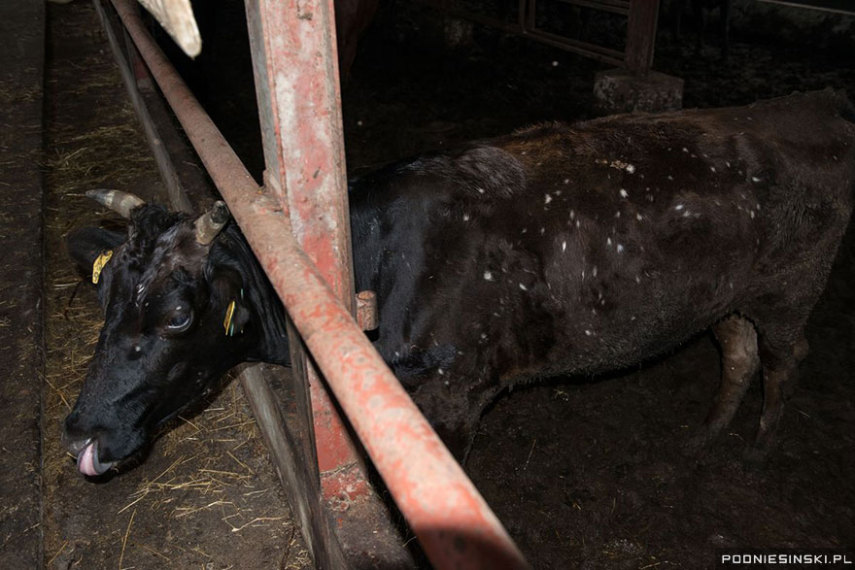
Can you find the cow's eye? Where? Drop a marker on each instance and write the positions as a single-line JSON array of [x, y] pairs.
[[179, 321]]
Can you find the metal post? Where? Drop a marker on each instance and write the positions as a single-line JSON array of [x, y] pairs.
[[296, 76]]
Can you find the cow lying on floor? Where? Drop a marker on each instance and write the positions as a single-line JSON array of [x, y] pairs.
[[556, 250]]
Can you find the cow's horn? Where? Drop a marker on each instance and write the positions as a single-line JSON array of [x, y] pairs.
[[209, 224], [120, 202]]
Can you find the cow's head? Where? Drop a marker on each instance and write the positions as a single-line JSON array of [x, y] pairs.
[[175, 321]]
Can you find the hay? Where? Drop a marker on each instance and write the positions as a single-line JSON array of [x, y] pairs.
[[125, 538]]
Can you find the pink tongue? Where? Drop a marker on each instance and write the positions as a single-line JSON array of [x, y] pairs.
[[86, 460]]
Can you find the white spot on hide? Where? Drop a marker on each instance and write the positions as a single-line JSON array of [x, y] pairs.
[[488, 276]]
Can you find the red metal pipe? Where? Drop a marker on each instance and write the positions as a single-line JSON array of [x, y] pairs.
[[450, 518], [293, 52]]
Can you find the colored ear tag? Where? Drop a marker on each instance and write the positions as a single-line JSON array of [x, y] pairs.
[[228, 323], [99, 264]]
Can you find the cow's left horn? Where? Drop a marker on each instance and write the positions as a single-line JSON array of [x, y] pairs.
[[209, 224], [120, 202]]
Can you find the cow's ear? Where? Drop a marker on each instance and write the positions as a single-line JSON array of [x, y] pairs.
[[228, 294], [88, 245]]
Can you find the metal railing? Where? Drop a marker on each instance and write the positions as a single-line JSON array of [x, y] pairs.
[[640, 38]]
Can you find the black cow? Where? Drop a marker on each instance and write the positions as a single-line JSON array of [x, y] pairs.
[[556, 250]]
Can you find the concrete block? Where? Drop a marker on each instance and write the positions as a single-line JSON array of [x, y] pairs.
[[621, 91]]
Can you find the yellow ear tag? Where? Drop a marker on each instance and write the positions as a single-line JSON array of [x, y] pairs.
[[227, 322], [99, 264]]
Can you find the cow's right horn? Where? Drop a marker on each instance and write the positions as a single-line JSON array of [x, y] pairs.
[[120, 202], [209, 224]]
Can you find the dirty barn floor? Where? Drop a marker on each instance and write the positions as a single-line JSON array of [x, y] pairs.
[[584, 473]]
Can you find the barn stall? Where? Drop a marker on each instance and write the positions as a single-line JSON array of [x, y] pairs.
[[581, 472]]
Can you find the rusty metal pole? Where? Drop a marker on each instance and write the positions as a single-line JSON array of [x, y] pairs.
[[297, 87], [296, 72]]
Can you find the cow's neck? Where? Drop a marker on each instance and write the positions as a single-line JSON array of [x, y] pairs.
[[369, 200], [267, 310]]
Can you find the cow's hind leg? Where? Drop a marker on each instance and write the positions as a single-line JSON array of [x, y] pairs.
[[737, 340], [781, 350]]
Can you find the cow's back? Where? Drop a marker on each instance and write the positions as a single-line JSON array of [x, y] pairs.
[[589, 247]]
